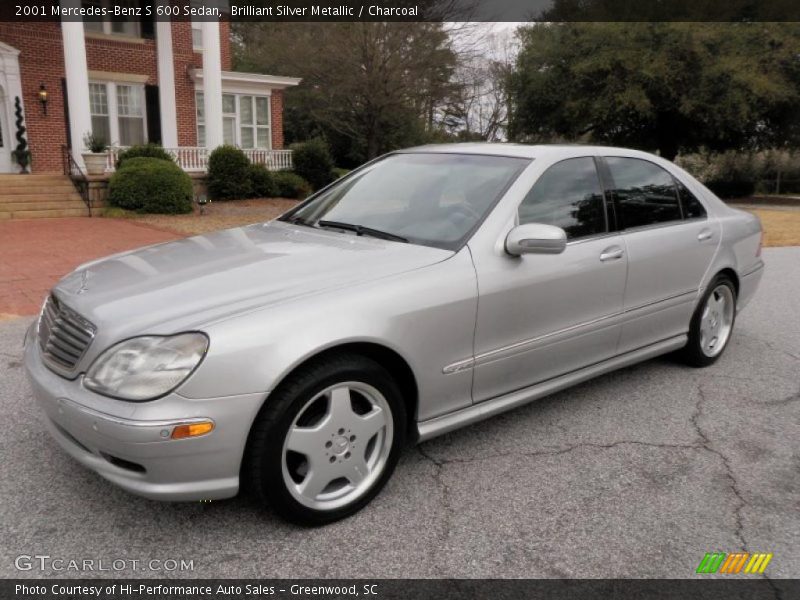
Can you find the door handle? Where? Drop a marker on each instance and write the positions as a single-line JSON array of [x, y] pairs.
[[705, 234], [612, 253]]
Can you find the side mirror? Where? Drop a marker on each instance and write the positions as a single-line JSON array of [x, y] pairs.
[[536, 238]]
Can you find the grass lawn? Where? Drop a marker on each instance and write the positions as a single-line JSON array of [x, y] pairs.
[[781, 226], [218, 215]]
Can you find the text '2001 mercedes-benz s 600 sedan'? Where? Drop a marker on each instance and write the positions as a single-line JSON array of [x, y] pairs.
[[422, 292]]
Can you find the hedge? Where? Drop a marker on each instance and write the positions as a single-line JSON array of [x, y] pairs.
[[735, 174], [290, 185], [144, 150], [313, 162], [229, 174], [261, 182], [151, 185]]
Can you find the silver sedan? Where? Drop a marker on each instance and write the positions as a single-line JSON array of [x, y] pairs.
[[424, 291]]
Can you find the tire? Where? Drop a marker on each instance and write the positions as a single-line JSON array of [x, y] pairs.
[[340, 419], [708, 338]]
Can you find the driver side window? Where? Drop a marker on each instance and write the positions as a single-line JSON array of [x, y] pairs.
[[567, 195]]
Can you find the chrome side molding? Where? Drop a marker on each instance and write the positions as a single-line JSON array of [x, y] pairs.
[[431, 428]]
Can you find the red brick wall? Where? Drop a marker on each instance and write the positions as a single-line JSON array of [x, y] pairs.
[[184, 58], [139, 57], [41, 60], [225, 45], [276, 106]]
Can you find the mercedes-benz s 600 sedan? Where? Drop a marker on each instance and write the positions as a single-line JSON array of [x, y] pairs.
[[422, 292]]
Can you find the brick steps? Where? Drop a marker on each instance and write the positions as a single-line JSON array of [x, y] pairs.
[[35, 197], [42, 214], [24, 179], [39, 196], [17, 190], [44, 204]]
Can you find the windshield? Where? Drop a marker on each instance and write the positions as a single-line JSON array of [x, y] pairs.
[[424, 198]]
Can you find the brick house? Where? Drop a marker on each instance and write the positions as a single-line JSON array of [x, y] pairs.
[[131, 82]]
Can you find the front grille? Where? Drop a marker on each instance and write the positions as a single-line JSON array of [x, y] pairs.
[[64, 336]]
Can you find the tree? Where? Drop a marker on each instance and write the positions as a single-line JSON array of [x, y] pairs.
[[21, 153], [477, 108], [658, 86], [367, 87]]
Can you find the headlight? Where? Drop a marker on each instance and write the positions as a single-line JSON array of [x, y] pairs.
[[146, 367]]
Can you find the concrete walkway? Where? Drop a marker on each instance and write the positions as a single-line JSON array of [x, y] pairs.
[[36, 253]]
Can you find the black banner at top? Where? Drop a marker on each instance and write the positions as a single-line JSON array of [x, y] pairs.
[[403, 10]]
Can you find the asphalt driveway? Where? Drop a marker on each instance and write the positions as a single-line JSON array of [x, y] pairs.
[[635, 474]]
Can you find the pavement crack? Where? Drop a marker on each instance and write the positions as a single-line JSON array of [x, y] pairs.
[[771, 345], [784, 401], [446, 504], [441, 462], [707, 444]]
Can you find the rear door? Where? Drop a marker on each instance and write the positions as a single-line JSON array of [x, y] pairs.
[[670, 243]]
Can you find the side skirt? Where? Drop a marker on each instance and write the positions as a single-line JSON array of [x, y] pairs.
[[489, 408]]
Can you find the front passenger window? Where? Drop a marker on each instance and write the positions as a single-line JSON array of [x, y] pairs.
[[645, 193], [567, 195]]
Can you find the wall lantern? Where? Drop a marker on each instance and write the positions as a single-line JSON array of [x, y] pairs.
[[43, 97]]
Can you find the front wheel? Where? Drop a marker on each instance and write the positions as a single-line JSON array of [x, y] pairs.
[[712, 324], [327, 440]]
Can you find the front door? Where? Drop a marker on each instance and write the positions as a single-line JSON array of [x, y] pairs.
[[540, 316], [6, 146]]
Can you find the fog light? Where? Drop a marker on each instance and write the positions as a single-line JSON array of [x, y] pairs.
[[192, 430]]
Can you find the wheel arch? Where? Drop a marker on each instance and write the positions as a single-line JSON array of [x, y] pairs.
[[390, 359], [732, 275]]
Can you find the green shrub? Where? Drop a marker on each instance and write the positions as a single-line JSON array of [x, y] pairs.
[[228, 174], [261, 182], [734, 174], [290, 185], [312, 161], [339, 173], [144, 151], [151, 185]]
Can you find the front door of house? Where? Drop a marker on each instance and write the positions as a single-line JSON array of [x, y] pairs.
[[6, 143]]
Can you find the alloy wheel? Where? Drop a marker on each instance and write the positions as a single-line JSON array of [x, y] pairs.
[[337, 445], [716, 320]]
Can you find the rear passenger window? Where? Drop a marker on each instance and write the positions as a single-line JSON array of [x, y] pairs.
[[567, 195], [692, 208], [645, 193]]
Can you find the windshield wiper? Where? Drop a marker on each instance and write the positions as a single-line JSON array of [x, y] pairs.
[[298, 221], [362, 230]]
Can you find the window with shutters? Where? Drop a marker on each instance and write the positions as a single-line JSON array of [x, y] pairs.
[[119, 114]]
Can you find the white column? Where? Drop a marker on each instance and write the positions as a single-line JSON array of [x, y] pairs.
[[212, 84], [77, 75], [166, 84]]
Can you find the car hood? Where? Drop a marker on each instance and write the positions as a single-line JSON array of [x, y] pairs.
[[208, 277]]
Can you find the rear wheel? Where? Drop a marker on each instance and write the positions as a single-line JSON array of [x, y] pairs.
[[327, 440], [712, 324]]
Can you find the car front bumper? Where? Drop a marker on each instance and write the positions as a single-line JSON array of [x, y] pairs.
[[128, 443]]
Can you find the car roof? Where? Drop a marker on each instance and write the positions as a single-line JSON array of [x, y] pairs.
[[531, 151]]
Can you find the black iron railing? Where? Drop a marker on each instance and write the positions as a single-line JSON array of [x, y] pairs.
[[73, 170]]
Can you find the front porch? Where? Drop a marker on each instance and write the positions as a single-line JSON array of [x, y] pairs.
[[195, 159]]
